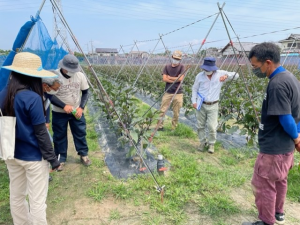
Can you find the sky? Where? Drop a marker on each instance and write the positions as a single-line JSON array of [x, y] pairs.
[[157, 25]]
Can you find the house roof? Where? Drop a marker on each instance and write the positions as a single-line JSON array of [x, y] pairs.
[[137, 52], [245, 45], [291, 37], [106, 50]]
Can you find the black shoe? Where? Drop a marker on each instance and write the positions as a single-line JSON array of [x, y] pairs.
[[161, 129], [279, 218], [50, 178]]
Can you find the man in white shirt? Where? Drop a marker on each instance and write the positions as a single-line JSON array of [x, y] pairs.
[[72, 96], [207, 86]]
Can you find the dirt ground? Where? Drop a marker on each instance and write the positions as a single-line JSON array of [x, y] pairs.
[[68, 202]]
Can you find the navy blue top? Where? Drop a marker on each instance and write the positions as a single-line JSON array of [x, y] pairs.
[[29, 112]]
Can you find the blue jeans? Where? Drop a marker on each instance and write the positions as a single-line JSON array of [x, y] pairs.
[[60, 137]]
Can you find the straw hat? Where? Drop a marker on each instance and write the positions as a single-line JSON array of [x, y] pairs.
[[29, 64], [177, 54]]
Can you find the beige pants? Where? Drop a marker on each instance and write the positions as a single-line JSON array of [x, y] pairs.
[[28, 178], [208, 116], [176, 105]]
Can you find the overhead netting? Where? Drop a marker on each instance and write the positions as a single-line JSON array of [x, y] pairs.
[[40, 43]]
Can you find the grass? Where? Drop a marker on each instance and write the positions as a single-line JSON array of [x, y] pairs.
[[198, 186]]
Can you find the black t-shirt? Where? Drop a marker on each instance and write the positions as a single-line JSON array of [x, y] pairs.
[[282, 97], [173, 72]]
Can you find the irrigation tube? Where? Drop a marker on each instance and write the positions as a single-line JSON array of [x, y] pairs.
[[204, 40], [100, 86], [248, 92]]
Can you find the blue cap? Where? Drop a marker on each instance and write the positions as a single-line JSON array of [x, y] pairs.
[[209, 64]]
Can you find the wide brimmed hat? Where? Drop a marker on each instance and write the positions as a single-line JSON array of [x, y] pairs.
[[209, 64], [29, 64], [177, 54], [69, 63]]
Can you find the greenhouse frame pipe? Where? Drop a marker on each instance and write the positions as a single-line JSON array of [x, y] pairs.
[[124, 63], [145, 64], [159, 188], [204, 40], [248, 92], [288, 52], [36, 15]]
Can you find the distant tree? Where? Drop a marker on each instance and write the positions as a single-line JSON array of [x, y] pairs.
[[4, 52], [78, 54]]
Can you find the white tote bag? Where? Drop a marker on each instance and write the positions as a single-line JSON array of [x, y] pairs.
[[7, 136]]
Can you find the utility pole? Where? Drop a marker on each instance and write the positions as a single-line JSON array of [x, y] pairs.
[[87, 46], [58, 27]]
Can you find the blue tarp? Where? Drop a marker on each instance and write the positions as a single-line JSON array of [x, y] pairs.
[[39, 42], [21, 37]]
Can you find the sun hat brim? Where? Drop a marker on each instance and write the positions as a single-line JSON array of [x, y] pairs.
[[31, 72], [209, 68], [72, 70]]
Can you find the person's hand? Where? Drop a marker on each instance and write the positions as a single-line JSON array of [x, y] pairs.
[[223, 78], [68, 109], [297, 147], [195, 105], [297, 143], [48, 125], [79, 113]]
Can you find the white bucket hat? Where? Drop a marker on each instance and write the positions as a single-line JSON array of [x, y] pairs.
[[29, 64]]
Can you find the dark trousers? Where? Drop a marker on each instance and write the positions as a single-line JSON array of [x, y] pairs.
[[60, 136]]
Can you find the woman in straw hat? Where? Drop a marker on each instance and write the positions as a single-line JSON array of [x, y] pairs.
[[29, 170]]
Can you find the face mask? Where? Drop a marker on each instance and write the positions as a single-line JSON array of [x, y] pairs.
[[70, 74], [175, 61], [208, 73], [52, 92], [257, 72]]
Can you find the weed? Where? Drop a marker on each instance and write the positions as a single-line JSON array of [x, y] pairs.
[[114, 215]]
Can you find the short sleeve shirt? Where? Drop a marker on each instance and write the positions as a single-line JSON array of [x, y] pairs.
[[173, 72], [282, 97], [70, 91]]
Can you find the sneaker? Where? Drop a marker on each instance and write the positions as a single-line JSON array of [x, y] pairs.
[[279, 218], [61, 167], [160, 129], [254, 223], [85, 160], [202, 147], [211, 149]]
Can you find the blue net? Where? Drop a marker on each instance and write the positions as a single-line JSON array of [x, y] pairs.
[[38, 42], [41, 44]]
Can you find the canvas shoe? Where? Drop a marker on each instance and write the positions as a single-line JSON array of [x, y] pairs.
[[85, 160], [279, 218], [201, 147], [254, 223], [211, 149], [61, 167]]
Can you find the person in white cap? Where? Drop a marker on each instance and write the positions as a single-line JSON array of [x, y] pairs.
[[170, 74], [73, 96], [205, 99], [29, 170]]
